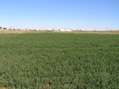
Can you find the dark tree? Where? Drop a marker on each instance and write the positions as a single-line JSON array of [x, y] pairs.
[[0, 27], [4, 28]]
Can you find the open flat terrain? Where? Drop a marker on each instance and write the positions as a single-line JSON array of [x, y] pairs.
[[91, 32], [59, 61]]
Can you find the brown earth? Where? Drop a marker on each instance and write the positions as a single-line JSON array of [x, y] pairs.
[[3, 88], [90, 32]]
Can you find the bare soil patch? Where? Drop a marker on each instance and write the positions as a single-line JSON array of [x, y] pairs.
[[98, 32], [3, 88], [78, 32]]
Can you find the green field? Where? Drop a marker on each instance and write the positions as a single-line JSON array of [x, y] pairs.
[[59, 61]]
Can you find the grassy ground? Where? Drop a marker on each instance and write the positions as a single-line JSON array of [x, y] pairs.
[[59, 61]]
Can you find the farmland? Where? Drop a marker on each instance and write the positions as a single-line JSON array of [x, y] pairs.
[[59, 61]]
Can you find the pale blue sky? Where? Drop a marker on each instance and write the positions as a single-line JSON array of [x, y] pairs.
[[60, 14]]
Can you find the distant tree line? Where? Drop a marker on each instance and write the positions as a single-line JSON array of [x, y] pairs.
[[0, 27], [3, 28]]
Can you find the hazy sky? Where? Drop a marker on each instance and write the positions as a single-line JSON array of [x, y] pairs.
[[60, 14]]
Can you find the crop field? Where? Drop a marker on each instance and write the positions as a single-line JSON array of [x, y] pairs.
[[59, 61]]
